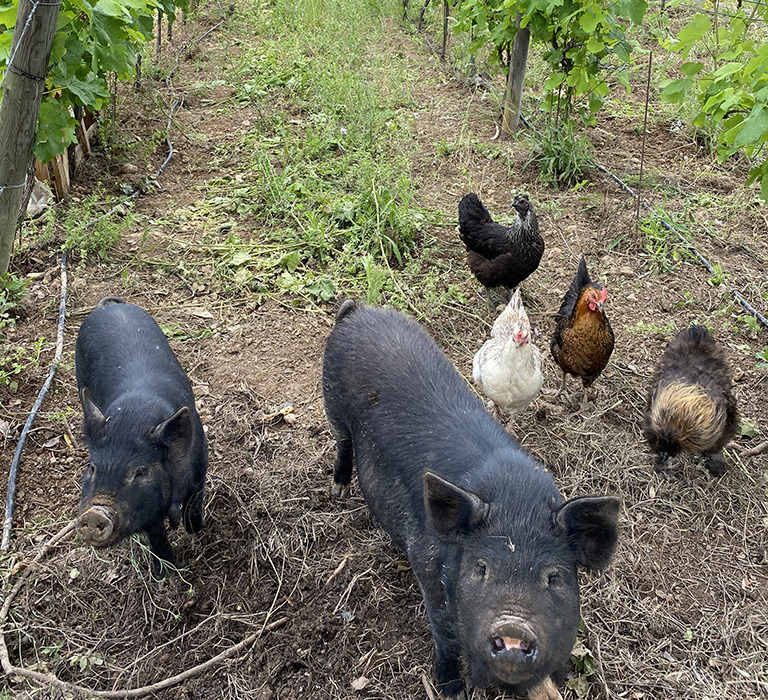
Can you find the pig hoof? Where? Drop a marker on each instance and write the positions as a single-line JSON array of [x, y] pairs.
[[546, 690], [340, 490]]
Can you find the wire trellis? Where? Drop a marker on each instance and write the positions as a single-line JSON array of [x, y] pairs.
[[740, 298]]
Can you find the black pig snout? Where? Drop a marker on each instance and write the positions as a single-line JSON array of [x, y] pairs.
[[513, 648], [97, 525]]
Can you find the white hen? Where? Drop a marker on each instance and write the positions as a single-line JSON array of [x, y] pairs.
[[507, 369]]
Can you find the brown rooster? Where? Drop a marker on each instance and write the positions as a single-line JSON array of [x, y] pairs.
[[583, 339], [690, 406], [500, 256]]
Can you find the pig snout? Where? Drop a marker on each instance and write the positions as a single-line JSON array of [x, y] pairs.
[[97, 525], [513, 648]]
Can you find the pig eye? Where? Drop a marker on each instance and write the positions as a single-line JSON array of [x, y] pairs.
[[140, 473], [552, 578], [480, 568]]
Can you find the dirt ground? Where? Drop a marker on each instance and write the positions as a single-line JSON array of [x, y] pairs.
[[682, 612]]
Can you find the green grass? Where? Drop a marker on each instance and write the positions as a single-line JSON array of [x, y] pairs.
[[324, 174]]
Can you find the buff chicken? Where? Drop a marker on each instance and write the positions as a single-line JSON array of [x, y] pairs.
[[690, 406]]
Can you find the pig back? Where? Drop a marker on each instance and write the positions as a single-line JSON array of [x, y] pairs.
[[390, 388], [121, 349]]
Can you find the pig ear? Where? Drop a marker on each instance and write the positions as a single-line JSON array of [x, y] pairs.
[[175, 432], [592, 527], [452, 509], [93, 418]]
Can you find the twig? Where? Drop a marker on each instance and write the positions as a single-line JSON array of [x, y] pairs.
[[754, 451], [428, 687], [336, 571]]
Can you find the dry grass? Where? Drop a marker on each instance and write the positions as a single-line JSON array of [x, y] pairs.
[[682, 612]]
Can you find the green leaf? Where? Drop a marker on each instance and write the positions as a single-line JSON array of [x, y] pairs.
[[675, 90], [727, 69], [594, 45], [55, 130], [634, 9], [753, 130], [290, 261], [8, 15], [554, 81], [691, 68], [621, 76], [691, 33], [91, 92]]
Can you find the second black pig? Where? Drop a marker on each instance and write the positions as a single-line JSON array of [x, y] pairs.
[[492, 544], [148, 452]]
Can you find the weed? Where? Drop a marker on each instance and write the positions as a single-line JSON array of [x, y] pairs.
[[562, 157], [664, 250], [751, 324], [688, 300], [585, 664], [718, 276], [91, 233], [762, 355], [748, 427], [376, 277], [14, 360], [643, 328], [13, 292]]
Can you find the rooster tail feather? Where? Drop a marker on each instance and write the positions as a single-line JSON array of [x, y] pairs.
[[578, 283]]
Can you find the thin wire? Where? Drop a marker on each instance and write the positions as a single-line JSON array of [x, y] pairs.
[[7, 524], [668, 226], [37, 4]]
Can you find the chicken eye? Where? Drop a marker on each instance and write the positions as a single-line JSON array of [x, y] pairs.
[[480, 568]]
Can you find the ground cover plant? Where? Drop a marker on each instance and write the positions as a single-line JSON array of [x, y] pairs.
[[320, 152]]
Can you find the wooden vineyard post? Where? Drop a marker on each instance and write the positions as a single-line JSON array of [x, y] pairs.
[[23, 86], [513, 94]]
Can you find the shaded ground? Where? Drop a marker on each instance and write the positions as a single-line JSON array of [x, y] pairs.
[[682, 612]]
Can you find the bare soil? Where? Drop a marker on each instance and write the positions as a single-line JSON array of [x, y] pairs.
[[681, 613]]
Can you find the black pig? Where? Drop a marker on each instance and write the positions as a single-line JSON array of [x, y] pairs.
[[148, 452], [493, 546]]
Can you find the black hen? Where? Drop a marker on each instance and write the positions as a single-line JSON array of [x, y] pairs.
[[500, 256], [690, 406]]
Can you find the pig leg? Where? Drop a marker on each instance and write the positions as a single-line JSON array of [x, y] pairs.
[[160, 548], [192, 512], [546, 690], [342, 467], [446, 655]]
